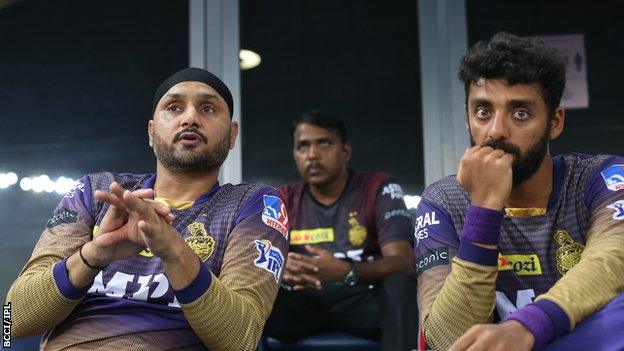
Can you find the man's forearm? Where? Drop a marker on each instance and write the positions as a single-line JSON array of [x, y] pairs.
[[376, 270], [38, 302]]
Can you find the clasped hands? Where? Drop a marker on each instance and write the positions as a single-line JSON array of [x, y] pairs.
[[133, 222], [304, 272]]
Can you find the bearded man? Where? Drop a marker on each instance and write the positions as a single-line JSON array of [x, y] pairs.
[[518, 236], [171, 260]]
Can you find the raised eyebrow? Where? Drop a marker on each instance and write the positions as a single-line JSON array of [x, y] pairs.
[[480, 102], [521, 103]]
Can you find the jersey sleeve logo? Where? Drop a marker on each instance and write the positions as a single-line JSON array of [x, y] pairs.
[[422, 222], [614, 177], [270, 258], [274, 214], [62, 216], [79, 186], [394, 190], [618, 207], [431, 258]]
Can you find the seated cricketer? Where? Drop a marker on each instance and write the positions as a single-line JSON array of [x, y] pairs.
[[195, 268], [520, 237], [350, 265]]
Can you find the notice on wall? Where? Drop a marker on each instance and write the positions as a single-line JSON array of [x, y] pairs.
[[572, 48]]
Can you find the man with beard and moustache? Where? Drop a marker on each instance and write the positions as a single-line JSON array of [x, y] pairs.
[[350, 265], [526, 241], [171, 260]]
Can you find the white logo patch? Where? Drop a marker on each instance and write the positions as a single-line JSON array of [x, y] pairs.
[[422, 222], [78, 186], [618, 207], [270, 258], [394, 190]]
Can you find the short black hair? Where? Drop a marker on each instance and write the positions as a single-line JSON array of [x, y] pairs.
[[521, 60], [322, 120]]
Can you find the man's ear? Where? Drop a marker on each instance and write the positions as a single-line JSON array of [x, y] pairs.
[[346, 149], [233, 133], [556, 123], [150, 130]]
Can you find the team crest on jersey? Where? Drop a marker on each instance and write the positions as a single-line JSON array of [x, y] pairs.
[[614, 177], [199, 240], [270, 258], [357, 232], [618, 207], [569, 253], [274, 214]]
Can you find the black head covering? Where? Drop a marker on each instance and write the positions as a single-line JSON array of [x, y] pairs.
[[193, 74]]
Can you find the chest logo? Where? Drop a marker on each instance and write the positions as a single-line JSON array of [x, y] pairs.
[[569, 253], [311, 236], [520, 264], [357, 232], [199, 240]]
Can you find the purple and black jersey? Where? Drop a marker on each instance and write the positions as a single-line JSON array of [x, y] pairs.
[[237, 231], [369, 213], [537, 248]]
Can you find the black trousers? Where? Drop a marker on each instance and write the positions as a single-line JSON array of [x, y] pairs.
[[387, 311]]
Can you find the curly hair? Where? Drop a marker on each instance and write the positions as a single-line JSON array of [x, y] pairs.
[[520, 60]]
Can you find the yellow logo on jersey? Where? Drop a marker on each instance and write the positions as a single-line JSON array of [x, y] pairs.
[[311, 236], [357, 232], [199, 240], [520, 264], [569, 254]]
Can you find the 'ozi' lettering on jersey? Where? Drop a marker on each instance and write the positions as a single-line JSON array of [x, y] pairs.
[[311, 236], [147, 288], [614, 177], [422, 222], [520, 264], [270, 258]]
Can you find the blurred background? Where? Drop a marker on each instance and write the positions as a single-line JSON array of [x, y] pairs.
[[77, 80]]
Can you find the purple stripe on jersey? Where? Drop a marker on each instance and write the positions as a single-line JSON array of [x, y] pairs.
[[482, 225], [536, 321], [61, 277], [254, 203], [198, 286], [476, 254]]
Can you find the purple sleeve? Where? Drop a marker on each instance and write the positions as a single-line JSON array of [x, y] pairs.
[[604, 188], [75, 207], [544, 319], [393, 220], [435, 237], [200, 284], [481, 226]]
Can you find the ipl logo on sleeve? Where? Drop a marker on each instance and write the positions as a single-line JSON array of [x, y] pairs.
[[618, 207], [614, 177], [270, 258], [274, 214]]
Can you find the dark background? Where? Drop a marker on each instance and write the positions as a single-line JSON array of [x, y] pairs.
[[77, 78]]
